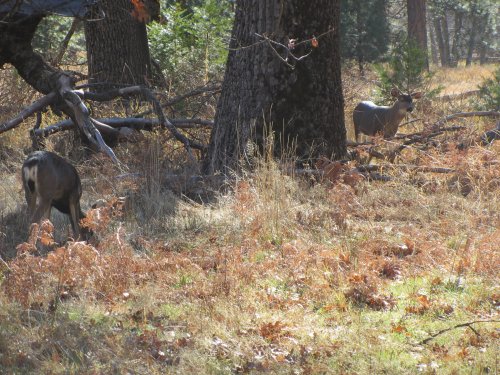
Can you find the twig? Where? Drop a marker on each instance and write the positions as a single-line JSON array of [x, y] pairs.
[[198, 91], [468, 324], [409, 122]]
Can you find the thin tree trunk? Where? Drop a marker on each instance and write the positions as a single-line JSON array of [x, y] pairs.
[[359, 45], [432, 38], [417, 27], [484, 37], [64, 44], [472, 35], [457, 37], [446, 39], [440, 40]]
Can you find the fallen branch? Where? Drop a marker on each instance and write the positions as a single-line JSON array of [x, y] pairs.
[[409, 122], [468, 324], [405, 168], [462, 95], [29, 111], [108, 126], [466, 114], [82, 116]]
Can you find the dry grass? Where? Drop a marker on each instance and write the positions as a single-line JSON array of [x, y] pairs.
[[280, 274], [462, 79]]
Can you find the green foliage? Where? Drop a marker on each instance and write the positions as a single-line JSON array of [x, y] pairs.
[[364, 30], [193, 40], [490, 93], [406, 69]]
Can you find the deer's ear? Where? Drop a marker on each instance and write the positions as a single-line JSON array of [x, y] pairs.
[[416, 95], [395, 92]]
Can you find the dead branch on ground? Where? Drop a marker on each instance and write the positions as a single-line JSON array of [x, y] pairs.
[[467, 324]]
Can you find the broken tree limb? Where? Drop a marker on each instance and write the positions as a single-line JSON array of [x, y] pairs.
[[491, 135], [404, 167], [466, 114], [81, 115], [462, 95], [28, 111], [116, 122], [108, 126], [468, 324], [421, 137]]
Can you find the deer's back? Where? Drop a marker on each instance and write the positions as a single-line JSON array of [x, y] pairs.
[[370, 118], [51, 177]]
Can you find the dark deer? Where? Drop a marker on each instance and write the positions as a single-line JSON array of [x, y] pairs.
[[50, 181], [372, 119]]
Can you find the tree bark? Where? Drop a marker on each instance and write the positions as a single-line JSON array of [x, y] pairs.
[[446, 39], [117, 46], [417, 26], [432, 37], [457, 37], [471, 44], [440, 40], [301, 100]]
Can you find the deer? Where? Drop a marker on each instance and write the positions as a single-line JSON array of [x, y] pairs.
[[50, 181], [372, 119]]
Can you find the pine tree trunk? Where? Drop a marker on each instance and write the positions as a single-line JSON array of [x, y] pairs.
[[432, 37], [440, 40], [446, 39], [301, 100], [471, 44], [457, 36], [417, 27], [483, 37], [117, 45]]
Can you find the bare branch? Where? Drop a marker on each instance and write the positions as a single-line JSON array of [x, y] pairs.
[[82, 117], [28, 111], [468, 324], [466, 114], [404, 167], [108, 126]]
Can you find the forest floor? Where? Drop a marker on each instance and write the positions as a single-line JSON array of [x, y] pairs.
[[277, 274]]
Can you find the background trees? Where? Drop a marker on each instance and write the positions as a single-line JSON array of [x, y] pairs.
[[464, 28], [365, 31]]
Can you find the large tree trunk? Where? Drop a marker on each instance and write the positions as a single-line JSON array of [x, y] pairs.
[[417, 27], [117, 45], [301, 100]]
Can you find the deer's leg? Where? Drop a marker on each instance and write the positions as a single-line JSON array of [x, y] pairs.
[[31, 200], [74, 216], [42, 211]]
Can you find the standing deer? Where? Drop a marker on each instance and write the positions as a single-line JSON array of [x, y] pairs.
[[50, 181], [372, 119]]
